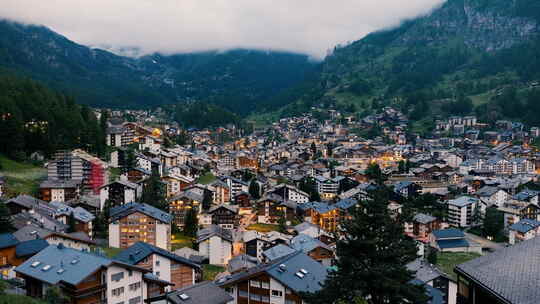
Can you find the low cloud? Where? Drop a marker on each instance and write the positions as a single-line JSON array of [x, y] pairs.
[[178, 26]]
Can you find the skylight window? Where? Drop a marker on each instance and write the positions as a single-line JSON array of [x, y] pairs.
[[46, 267], [35, 264], [60, 271], [74, 262], [300, 275], [183, 297], [303, 271]]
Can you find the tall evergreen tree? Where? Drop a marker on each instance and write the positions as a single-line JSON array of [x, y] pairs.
[[154, 192], [372, 254], [6, 224], [191, 224], [207, 200], [254, 189], [72, 224]]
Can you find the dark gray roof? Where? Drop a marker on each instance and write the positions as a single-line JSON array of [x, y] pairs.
[[277, 252], [424, 218], [425, 271], [60, 184], [201, 293], [305, 243], [525, 225], [242, 261], [214, 230], [288, 271], [511, 273], [140, 250], [119, 212]]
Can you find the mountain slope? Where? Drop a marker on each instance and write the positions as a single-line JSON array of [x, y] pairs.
[[417, 54], [452, 61], [236, 78]]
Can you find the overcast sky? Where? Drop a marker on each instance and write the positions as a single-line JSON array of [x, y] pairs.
[[173, 26]]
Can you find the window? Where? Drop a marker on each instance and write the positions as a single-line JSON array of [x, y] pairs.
[[243, 293], [117, 276], [157, 273], [134, 286], [130, 273], [265, 299], [157, 263], [265, 285], [135, 300], [255, 284], [290, 302], [254, 297], [277, 293], [117, 291]]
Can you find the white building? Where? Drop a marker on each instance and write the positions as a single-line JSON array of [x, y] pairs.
[[216, 244], [460, 210]]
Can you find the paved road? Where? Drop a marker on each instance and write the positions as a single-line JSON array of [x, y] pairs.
[[485, 243]]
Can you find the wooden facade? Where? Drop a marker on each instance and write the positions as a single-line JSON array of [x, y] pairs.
[[138, 227]]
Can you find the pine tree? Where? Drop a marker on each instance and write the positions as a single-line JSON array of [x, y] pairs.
[[154, 192], [5, 219], [372, 254], [254, 189], [207, 200], [191, 224], [54, 295], [374, 172], [493, 222], [314, 196], [72, 224]]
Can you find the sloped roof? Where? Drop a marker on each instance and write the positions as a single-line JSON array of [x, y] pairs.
[[525, 225], [456, 243], [124, 210], [79, 213], [31, 247], [7, 240], [140, 250], [201, 293], [277, 252], [77, 265], [305, 243], [287, 274], [424, 218], [451, 233], [214, 230], [510, 273]]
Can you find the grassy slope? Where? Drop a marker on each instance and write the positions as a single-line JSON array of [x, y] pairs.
[[206, 179], [179, 240], [263, 227], [21, 178], [448, 260], [211, 271], [18, 299]]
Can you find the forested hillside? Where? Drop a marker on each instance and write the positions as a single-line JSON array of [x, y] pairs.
[[468, 56], [236, 79], [35, 118]]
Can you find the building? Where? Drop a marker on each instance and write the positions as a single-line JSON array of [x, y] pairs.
[[119, 192], [180, 204], [225, 216], [201, 293], [502, 277], [523, 230], [423, 225], [452, 240], [163, 264], [84, 277], [325, 216], [460, 211], [430, 275], [314, 248], [290, 193], [216, 243], [326, 187], [134, 222], [255, 243], [272, 208], [281, 281], [59, 190], [75, 240], [83, 218], [119, 136]]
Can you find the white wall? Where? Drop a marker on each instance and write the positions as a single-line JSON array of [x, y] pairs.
[[57, 195], [163, 235], [135, 277], [114, 235], [163, 266], [275, 285], [55, 240]]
